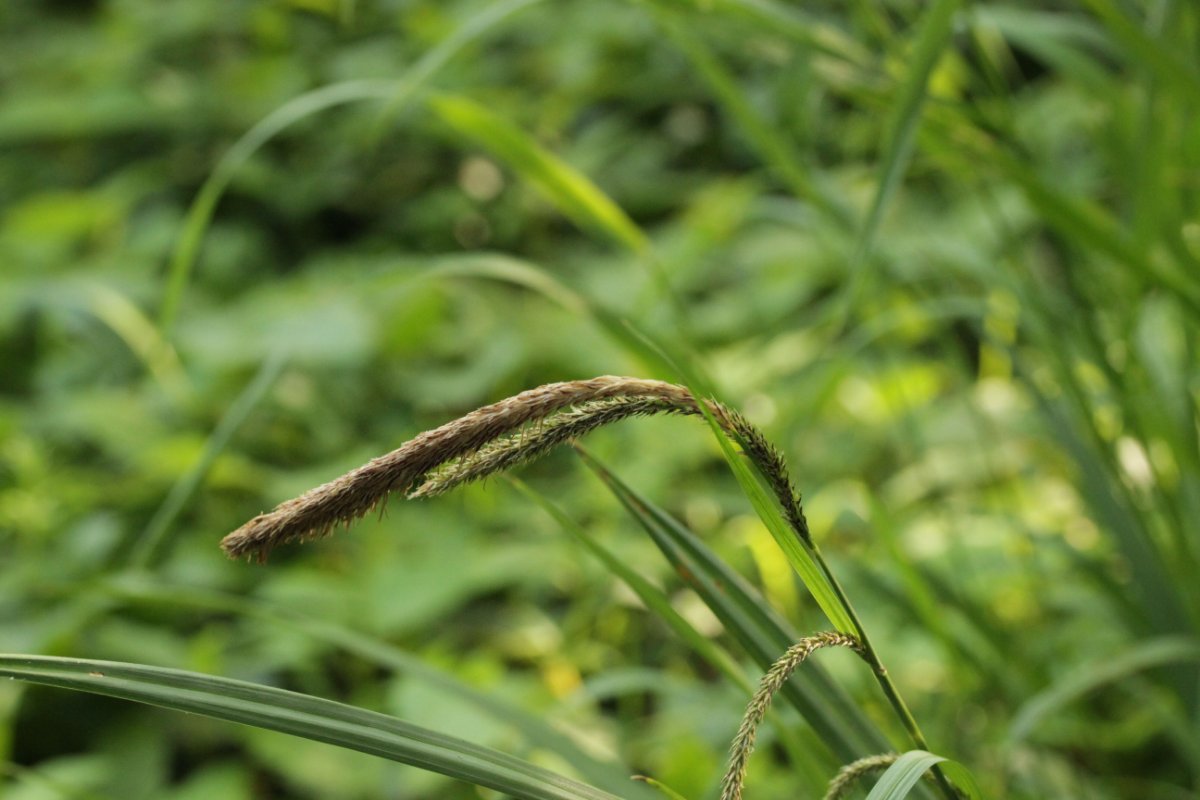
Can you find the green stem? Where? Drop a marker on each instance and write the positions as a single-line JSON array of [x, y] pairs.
[[884, 678]]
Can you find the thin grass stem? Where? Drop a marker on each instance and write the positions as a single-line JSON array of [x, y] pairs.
[[743, 743]]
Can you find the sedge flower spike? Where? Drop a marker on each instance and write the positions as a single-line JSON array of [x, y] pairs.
[[494, 438]]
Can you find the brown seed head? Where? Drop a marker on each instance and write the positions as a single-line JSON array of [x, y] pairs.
[[315, 512], [493, 438]]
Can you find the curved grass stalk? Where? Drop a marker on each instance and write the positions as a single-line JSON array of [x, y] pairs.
[[743, 743], [187, 249], [394, 93]]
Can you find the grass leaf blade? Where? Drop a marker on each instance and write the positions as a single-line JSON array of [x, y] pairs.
[[572, 192], [746, 616], [902, 776], [535, 730], [301, 715], [654, 599], [1110, 669], [200, 213], [933, 35], [155, 537]]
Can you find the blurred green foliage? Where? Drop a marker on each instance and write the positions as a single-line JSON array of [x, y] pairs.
[[947, 256]]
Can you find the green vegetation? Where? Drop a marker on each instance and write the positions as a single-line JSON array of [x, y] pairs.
[[944, 256]]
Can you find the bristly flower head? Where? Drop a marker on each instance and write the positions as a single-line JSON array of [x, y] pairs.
[[491, 439]]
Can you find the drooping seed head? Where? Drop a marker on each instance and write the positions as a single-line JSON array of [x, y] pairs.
[[348, 497], [493, 438]]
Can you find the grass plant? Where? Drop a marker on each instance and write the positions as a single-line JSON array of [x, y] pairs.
[[524, 427], [943, 255]]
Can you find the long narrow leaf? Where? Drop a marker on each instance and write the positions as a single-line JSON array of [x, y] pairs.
[[301, 715], [187, 248], [787, 539], [155, 537], [396, 93], [141, 336], [1084, 222], [1145, 655], [535, 730], [768, 510], [570, 190], [840, 724], [538, 279], [797, 24], [660, 605], [933, 35], [719, 582], [1160, 597], [762, 134], [654, 599], [476, 24], [1148, 51]]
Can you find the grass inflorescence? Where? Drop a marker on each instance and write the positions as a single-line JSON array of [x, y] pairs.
[[494, 438], [314, 513], [756, 711], [523, 427]]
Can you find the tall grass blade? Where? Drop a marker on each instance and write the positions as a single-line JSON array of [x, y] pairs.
[[534, 730], [1067, 42], [795, 23], [570, 190], [750, 620], [477, 24], [776, 151], [1144, 655], [654, 599], [932, 38], [1146, 51], [396, 93], [517, 272], [142, 337], [788, 540], [152, 544], [1160, 600], [301, 715], [658, 603], [794, 543], [1092, 227], [513, 271], [200, 213]]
